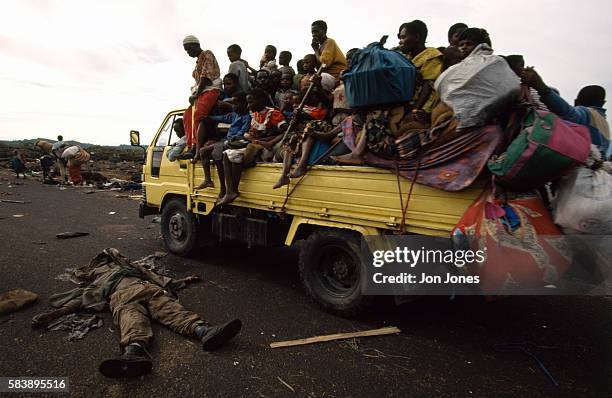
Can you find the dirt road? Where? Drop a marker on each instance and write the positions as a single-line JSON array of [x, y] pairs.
[[447, 347]]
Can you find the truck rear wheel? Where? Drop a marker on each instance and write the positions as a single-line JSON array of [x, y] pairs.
[[179, 228], [331, 271]]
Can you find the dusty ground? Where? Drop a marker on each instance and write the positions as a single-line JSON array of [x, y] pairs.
[[446, 348]]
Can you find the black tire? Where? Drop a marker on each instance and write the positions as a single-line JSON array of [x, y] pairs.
[[179, 228], [332, 272]]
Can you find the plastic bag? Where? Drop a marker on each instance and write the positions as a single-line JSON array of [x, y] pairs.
[[478, 87], [584, 200]]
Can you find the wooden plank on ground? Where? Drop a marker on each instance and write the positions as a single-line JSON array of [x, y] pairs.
[[337, 336]]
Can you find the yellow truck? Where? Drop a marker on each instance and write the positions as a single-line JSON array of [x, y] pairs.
[[329, 210]]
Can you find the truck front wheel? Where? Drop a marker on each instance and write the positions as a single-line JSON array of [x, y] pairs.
[[331, 271], [179, 228]]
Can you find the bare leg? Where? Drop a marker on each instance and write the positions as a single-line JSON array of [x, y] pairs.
[[300, 169], [201, 135], [233, 172], [284, 179], [221, 173], [355, 157], [205, 156]]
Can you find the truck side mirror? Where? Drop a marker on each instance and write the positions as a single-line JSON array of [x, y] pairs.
[[134, 138]]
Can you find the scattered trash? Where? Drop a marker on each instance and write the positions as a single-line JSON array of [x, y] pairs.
[[14, 201], [17, 215], [67, 235], [77, 324], [156, 220], [122, 196], [337, 336], [115, 184], [285, 383], [524, 348], [136, 197], [90, 192], [15, 300], [112, 212]]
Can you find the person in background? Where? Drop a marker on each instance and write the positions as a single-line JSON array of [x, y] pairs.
[[18, 163], [326, 50], [240, 122], [429, 63], [75, 156], [454, 32], [56, 150], [470, 38], [284, 58], [46, 163], [238, 67], [340, 103], [268, 59], [176, 151], [588, 108]]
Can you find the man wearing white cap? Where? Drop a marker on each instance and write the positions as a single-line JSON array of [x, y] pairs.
[[206, 64], [204, 93]]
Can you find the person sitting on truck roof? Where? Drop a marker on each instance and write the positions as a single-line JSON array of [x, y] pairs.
[[231, 85], [326, 50], [267, 125], [178, 147], [284, 58], [454, 32], [238, 67], [275, 81], [282, 97], [470, 38], [429, 63], [262, 82], [240, 122], [588, 108], [298, 142], [309, 63], [268, 59]]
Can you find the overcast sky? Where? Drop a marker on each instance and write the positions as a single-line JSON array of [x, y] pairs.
[[93, 70]]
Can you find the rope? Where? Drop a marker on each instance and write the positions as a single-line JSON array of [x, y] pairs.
[[405, 208]]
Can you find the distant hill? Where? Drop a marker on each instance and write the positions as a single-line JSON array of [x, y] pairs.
[[98, 152]]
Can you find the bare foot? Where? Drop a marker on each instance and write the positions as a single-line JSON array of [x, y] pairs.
[[284, 180], [228, 198], [298, 172], [220, 197], [348, 159], [205, 184]]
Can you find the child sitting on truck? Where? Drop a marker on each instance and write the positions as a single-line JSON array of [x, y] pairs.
[[300, 142], [267, 125], [239, 121]]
